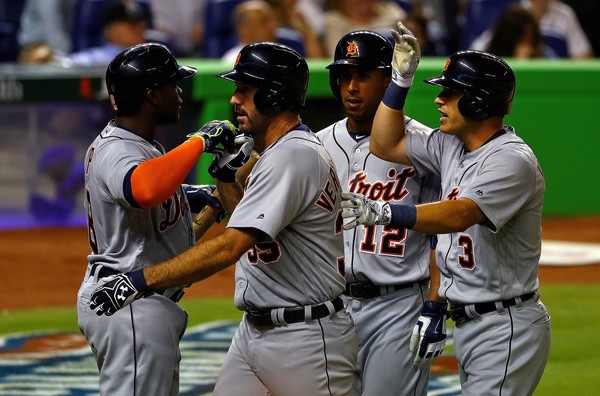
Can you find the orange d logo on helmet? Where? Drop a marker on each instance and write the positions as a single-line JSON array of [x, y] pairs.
[[446, 65], [352, 48]]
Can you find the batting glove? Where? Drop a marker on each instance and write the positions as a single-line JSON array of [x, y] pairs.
[[429, 334], [200, 195], [214, 133], [407, 54], [118, 292], [227, 162], [362, 210]]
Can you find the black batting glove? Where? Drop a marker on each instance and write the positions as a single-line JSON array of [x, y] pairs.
[[200, 195], [118, 291]]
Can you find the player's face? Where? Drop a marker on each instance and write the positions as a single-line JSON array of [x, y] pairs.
[[361, 91], [250, 120], [170, 102], [452, 121]]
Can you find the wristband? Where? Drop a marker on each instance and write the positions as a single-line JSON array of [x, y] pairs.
[[403, 216], [395, 96], [402, 82], [138, 280]]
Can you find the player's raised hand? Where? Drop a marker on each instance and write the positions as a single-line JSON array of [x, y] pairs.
[[362, 210], [429, 334], [117, 292], [215, 133], [227, 162], [407, 55]]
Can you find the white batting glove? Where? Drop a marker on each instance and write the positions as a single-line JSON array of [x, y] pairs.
[[363, 210], [429, 334], [407, 54], [227, 162]]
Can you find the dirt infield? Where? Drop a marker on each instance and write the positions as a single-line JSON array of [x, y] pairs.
[[44, 267]]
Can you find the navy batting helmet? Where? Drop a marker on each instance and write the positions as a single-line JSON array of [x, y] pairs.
[[487, 81], [280, 73], [360, 48], [137, 69]]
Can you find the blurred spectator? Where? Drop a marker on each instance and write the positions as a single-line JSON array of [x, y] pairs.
[[314, 13], [291, 21], [124, 25], [419, 24], [348, 15], [558, 21], [45, 30], [182, 21], [255, 20], [588, 13], [516, 34]]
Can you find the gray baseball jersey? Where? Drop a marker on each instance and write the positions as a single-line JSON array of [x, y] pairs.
[[384, 256], [498, 260], [293, 196], [493, 261], [143, 339]]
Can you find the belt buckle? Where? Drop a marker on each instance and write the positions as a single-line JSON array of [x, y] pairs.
[[259, 319], [354, 289]]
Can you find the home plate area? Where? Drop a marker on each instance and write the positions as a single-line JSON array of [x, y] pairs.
[[61, 364]]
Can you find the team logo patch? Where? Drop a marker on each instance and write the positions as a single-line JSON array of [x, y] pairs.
[[62, 364], [352, 48]]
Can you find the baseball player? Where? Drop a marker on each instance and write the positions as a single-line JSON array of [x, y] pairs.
[[488, 222], [137, 216], [296, 337], [386, 268]]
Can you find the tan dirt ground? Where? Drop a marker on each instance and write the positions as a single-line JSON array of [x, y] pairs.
[[44, 267]]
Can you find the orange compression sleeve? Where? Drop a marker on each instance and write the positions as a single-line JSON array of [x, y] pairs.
[[155, 180]]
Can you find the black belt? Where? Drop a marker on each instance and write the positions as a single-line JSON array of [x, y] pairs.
[[104, 272], [459, 314], [292, 315], [365, 290]]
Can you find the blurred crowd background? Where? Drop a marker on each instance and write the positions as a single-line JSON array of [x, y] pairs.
[[91, 32]]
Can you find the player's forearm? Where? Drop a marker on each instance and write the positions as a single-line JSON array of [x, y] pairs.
[[199, 262], [156, 180], [388, 135], [230, 194], [447, 216]]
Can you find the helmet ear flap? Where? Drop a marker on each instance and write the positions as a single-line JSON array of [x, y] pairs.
[[268, 101], [334, 84], [473, 107]]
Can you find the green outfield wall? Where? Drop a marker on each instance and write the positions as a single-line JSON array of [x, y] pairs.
[[556, 111]]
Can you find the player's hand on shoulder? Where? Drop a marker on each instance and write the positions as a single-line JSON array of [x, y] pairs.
[[362, 210], [216, 133], [429, 334], [200, 195], [227, 162], [407, 55], [117, 292]]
